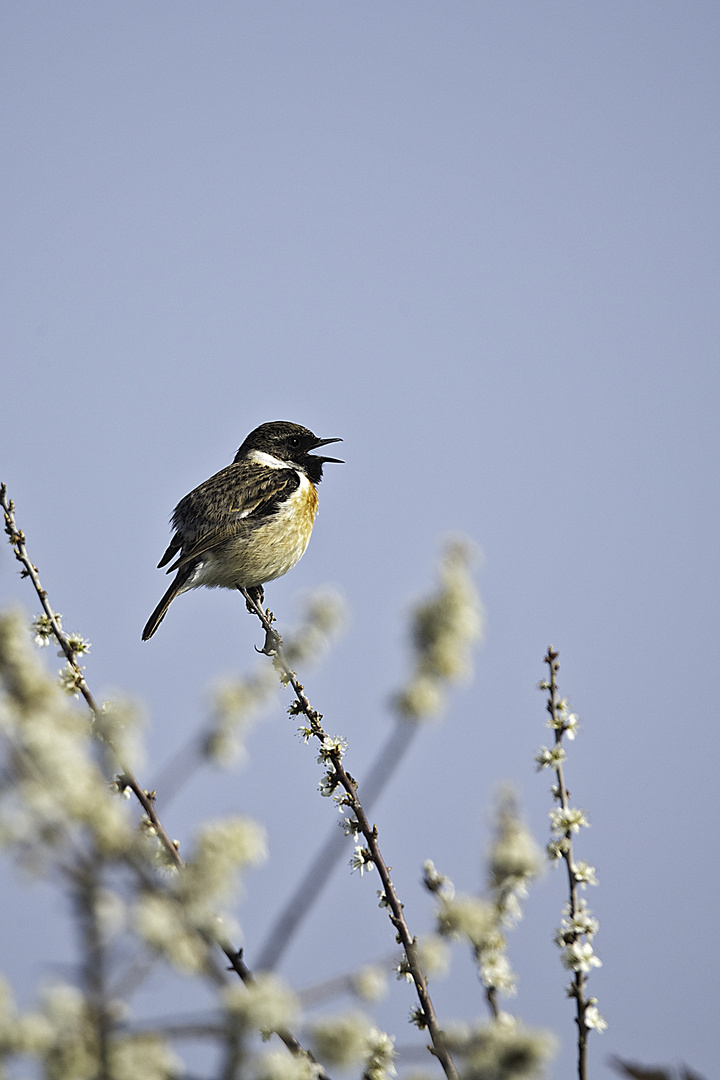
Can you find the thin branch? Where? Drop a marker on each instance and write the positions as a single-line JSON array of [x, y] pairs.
[[318, 873], [273, 648], [579, 982], [338, 985], [191, 1028]]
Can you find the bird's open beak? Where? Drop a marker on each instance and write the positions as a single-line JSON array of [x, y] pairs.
[[324, 442]]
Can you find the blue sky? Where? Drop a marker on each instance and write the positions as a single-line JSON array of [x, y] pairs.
[[480, 243]]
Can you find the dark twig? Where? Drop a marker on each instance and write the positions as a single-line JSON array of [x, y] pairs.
[[577, 989], [428, 1018], [315, 878]]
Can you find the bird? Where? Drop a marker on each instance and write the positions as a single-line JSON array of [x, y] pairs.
[[249, 523]]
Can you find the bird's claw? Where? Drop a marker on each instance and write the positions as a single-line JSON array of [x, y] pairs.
[[273, 643]]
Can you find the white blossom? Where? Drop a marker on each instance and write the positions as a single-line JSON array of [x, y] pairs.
[[496, 972], [279, 1065], [570, 819], [380, 1056], [266, 1005], [594, 1020], [434, 955], [330, 746], [328, 783], [445, 628], [71, 679], [78, 644], [584, 873], [370, 983], [580, 956], [436, 882], [42, 627], [362, 860], [471, 917], [341, 1041], [550, 758], [572, 724]]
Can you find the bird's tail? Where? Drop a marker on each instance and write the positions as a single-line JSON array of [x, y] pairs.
[[179, 585]]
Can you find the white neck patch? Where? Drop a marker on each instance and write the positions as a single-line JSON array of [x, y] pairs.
[[272, 462]]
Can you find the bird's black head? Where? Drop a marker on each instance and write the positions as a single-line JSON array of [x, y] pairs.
[[288, 442]]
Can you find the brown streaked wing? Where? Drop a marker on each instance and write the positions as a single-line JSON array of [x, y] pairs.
[[211, 513]]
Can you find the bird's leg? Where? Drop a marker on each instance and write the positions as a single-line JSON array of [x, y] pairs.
[[256, 596], [253, 602]]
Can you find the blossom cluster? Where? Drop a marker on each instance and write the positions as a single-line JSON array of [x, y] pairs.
[[60, 816], [55, 786], [504, 1049], [445, 629], [514, 860], [351, 1040]]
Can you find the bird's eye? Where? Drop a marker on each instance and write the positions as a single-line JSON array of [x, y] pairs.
[[294, 440]]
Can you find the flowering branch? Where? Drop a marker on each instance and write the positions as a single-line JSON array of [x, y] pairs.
[[73, 678], [48, 625], [578, 927], [300, 903], [444, 627], [331, 753], [504, 1047]]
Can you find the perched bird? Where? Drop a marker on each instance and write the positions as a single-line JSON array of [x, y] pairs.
[[250, 522]]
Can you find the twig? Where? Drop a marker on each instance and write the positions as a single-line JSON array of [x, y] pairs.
[[316, 876], [572, 935], [273, 648]]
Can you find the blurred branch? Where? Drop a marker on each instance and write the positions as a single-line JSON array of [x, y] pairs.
[[649, 1072], [86, 883]]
